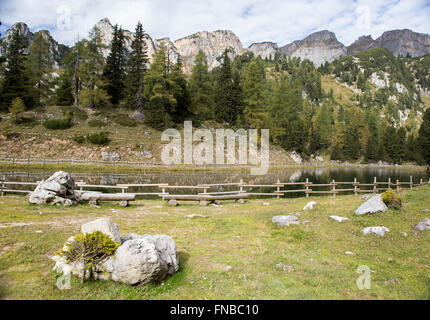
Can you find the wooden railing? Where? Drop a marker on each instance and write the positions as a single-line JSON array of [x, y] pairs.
[[278, 188]]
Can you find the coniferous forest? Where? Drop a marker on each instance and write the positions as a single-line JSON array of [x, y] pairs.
[[291, 97]]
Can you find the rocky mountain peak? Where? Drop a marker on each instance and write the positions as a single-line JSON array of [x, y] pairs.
[[264, 49], [318, 47], [403, 42], [362, 43]]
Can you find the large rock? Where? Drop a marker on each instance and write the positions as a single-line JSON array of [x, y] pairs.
[[309, 206], [139, 259], [423, 225], [285, 220], [58, 188], [380, 231], [104, 225], [373, 205], [264, 49]]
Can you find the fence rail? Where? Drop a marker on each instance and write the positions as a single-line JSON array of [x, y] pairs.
[[245, 188]]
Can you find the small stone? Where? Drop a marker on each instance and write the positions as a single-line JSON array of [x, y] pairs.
[[305, 222], [309, 206], [123, 203], [266, 204], [39, 231], [285, 220], [339, 219], [227, 268], [241, 201], [404, 234], [285, 267], [423, 225], [426, 210], [195, 216], [380, 231], [349, 253], [173, 203], [204, 203]]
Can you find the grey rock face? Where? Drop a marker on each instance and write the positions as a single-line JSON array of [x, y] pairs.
[[104, 225], [373, 205], [380, 231], [59, 188], [423, 225], [362, 43], [213, 45], [285, 220], [264, 49], [318, 47]]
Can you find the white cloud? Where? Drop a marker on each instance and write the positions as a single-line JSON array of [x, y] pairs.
[[252, 20]]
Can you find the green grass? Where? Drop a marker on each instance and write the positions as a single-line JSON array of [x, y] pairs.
[[240, 236]]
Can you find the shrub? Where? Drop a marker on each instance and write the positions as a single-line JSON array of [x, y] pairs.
[[58, 124], [26, 121], [89, 249], [95, 123], [74, 112], [78, 139], [123, 120], [391, 199], [100, 138]]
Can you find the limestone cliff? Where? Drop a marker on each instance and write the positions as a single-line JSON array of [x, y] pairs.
[[213, 45], [318, 47], [264, 49]]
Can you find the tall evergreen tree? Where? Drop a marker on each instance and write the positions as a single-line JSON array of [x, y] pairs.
[[253, 93], [113, 72], [200, 88], [136, 70], [39, 65], [227, 92], [16, 81], [424, 137], [91, 70]]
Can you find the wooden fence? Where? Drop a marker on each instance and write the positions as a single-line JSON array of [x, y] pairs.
[[278, 189]]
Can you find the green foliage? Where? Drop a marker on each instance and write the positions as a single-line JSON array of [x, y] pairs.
[[96, 123], [63, 94], [424, 137], [89, 249], [74, 112], [78, 139], [58, 124], [391, 199], [17, 107], [100, 138]]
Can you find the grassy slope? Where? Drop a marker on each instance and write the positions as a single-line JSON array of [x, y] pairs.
[[241, 236]]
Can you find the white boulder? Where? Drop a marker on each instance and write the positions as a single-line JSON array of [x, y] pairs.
[[309, 206], [285, 220], [104, 225], [373, 205], [380, 231], [423, 225]]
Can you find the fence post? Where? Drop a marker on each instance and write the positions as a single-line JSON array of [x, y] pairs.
[[389, 183], [307, 187], [278, 189], [421, 181], [398, 185], [241, 188], [411, 183], [3, 186], [28, 160], [334, 189], [374, 185], [355, 187]]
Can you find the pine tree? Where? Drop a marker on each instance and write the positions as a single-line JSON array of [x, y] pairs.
[[160, 91], [113, 72], [16, 82], [227, 92], [63, 94], [91, 70], [17, 107], [136, 70], [200, 88], [424, 137], [253, 89], [39, 65]]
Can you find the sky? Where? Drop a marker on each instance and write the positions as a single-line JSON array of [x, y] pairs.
[[280, 21]]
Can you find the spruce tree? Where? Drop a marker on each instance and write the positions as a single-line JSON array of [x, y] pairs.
[[39, 65], [253, 90], [63, 94], [16, 82], [136, 70], [113, 72], [424, 137], [200, 88], [227, 92], [91, 70]]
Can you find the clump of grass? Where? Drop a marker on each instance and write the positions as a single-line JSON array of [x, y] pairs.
[[58, 124], [78, 139], [123, 120], [96, 123], [391, 199], [100, 138], [74, 112]]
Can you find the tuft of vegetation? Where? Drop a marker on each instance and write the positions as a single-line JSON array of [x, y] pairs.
[[123, 120], [96, 123], [391, 199], [89, 249], [58, 124], [78, 139], [100, 138], [74, 112]]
